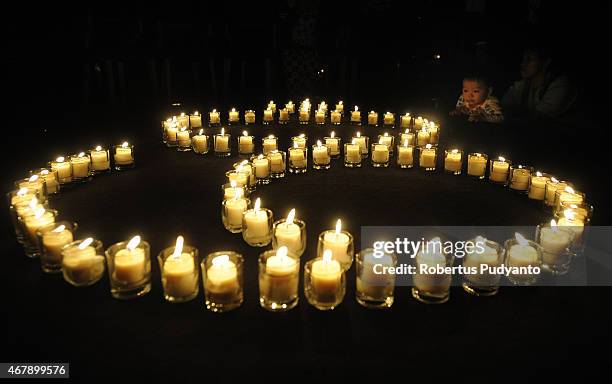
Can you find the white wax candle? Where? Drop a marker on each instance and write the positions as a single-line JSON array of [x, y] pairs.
[[249, 117], [289, 235], [474, 259], [336, 116], [234, 116], [36, 221], [405, 120], [554, 242], [353, 153], [300, 141], [332, 144], [178, 275], [245, 144], [338, 244], [51, 181], [304, 114], [404, 155], [431, 283], [234, 210], [522, 256], [257, 224], [452, 162], [319, 117], [262, 167], [240, 178], [362, 142], [53, 241], [171, 132], [537, 189], [123, 155], [268, 115], [214, 117], [375, 285], [277, 163], [520, 179], [221, 143], [99, 159], [477, 165], [290, 107], [183, 138], [80, 165], [320, 155], [326, 277], [222, 280], [380, 154], [200, 143], [389, 119], [575, 225], [428, 158], [269, 145], [423, 137], [372, 118], [129, 265], [283, 114], [407, 136], [82, 265], [356, 116], [195, 120], [297, 158], [280, 282], [499, 171], [63, 169]]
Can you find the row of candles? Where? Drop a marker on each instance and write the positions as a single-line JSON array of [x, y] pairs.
[[270, 115]]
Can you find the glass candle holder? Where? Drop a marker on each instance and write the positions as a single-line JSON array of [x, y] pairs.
[[35, 185], [183, 120], [257, 226], [298, 160], [290, 107], [51, 239], [576, 218], [568, 195], [100, 160], [299, 141], [30, 222], [269, 144], [321, 156], [352, 155], [498, 170], [291, 235], [356, 117], [221, 144], [373, 118], [407, 138], [81, 167], [246, 144], [375, 286], [169, 133], [389, 120], [129, 270], [195, 120], [477, 165], [320, 117], [552, 186], [428, 157], [417, 123], [333, 143], [340, 107], [341, 244], [324, 283], [179, 273], [165, 124], [518, 180], [279, 275], [183, 138], [229, 191], [50, 178], [124, 156], [430, 284], [387, 140], [537, 185], [240, 178], [247, 168], [268, 116], [20, 202], [304, 116], [261, 166], [380, 155], [434, 133], [527, 256], [214, 118], [249, 117], [222, 280], [489, 254], [200, 143], [406, 121], [63, 169], [336, 117], [556, 245], [453, 160], [405, 155], [83, 262], [232, 211], [423, 137], [283, 116], [278, 164], [233, 117], [363, 142]]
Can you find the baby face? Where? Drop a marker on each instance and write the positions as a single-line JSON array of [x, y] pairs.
[[474, 93]]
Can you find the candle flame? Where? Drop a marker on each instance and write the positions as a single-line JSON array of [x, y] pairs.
[[201, 131], [182, 114], [520, 239], [569, 190], [222, 131], [221, 261], [319, 143], [502, 159], [59, 229], [333, 134], [125, 144], [233, 109], [554, 180], [428, 146], [327, 256], [553, 225], [569, 214], [33, 203], [301, 136], [245, 133], [214, 111], [358, 134], [481, 239], [86, 243], [60, 159], [381, 140], [270, 136], [455, 151], [196, 113], [407, 131], [407, 114], [98, 148], [354, 141], [178, 246], [290, 216], [338, 226], [133, 243], [538, 173], [33, 178], [39, 212], [282, 252], [257, 204], [44, 172], [261, 156], [233, 183], [22, 191], [356, 108]]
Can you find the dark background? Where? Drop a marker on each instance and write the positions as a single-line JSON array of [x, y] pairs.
[[100, 74]]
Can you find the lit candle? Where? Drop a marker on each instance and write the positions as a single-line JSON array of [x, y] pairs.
[[389, 118], [362, 141], [499, 170], [277, 162], [232, 191], [418, 123], [99, 159], [356, 115], [256, 224], [249, 117], [326, 278], [200, 142], [129, 263], [555, 242], [272, 106], [380, 153], [405, 120], [40, 218], [571, 221], [320, 117], [519, 178], [81, 264], [289, 235], [234, 209], [297, 157], [268, 115], [245, 143], [452, 161], [522, 254], [221, 281], [552, 186], [54, 240], [300, 141], [340, 107], [304, 115], [473, 259], [123, 154], [372, 118], [336, 117], [283, 115], [195, 120], [222, 142], [50, 179], [320, 154], [279, 283], [214, 117], [568, 195], [338, 243], [431, 257], [353, 152], [240, 178], [63, 169], [290, 107], [332, 143], [537, 188], [405, 155], [428, 157], [407, 135], [262, 167], [183, 138], [171, 132], [80, 165], [178, 274], [423, 137], [183, 120], [234, 116], [477, 165], [269, 144]]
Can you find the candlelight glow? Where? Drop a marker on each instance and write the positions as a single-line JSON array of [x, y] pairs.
[[60, 159], [257, 205], [59, 229], [125, 144], [178, 247], [133, 243], [502, 159], [338, 226], [282, 252], [98, 148], [222, 131], [86, 243], [428, 146], [221, 261], [333, 134], [33, 178], [290, 217], [22, 191], [245, 133]]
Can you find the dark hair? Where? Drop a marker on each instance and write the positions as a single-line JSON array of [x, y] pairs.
[[478, 77]]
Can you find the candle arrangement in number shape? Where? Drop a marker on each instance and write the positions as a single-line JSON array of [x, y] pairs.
[[83, 261]]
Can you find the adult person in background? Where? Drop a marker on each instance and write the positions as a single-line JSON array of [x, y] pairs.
[[542, 92]]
